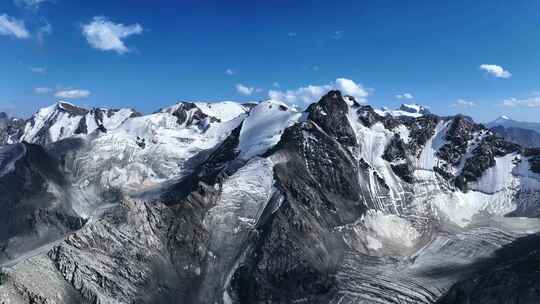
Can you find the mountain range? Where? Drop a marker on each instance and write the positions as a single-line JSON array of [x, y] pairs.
[[263, 203], [527, 134]]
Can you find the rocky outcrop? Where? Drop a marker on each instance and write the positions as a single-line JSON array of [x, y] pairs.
[[330, 113], [189, 114], [11, 129], [397, 154], [421, 130], [461, 131]]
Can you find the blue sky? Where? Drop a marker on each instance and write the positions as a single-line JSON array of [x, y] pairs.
[[148, 54]]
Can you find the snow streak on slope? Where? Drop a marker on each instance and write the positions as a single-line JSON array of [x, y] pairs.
[[428, 157], [499, 177], [244, 196]]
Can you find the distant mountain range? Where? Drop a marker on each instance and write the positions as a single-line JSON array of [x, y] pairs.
[[526, 134]]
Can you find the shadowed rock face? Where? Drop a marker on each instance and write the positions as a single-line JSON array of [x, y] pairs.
[[297, 252], [512, 275], [330, 113], [35, 207]]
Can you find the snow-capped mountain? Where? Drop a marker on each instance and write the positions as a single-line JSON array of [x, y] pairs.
[[261, 203], [507, 122], [405, 110], [63, 120]]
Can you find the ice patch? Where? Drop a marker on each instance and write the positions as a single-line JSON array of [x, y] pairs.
[[373, 243], [391, 227], [262, 129]]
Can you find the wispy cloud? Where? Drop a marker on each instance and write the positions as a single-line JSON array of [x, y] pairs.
[[462, 103], [405, 96], [495, 70], [292, 34], [276, 84], [30, 4], [42, 90], [45, 30], [12, 27], [244, 90], [38, 70], [103, 34], [529, 102], [312, 93], [72, 94], [230, 72]]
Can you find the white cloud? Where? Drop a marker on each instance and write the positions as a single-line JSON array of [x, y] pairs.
[[230, 72], [13, 27], [30, 4], [72, 94], [495, 70], [338, 35], [462, 103], [105, 35], [276, 85], [405, 96], [291, 34], [42, 90], [244, 90], [312, 93], [530, 102], [38, 70]]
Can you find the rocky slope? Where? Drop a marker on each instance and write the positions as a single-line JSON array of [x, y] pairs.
[[341, 203]]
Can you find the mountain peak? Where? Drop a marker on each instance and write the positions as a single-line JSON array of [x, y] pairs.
[[413, 108]]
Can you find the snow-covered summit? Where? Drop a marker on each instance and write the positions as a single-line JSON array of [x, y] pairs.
[[507, 122], [63, 119], [223, 111], [410, 110]]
